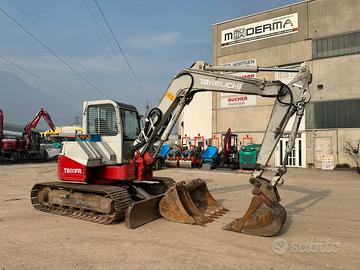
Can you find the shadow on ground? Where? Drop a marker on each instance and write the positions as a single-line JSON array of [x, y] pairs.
[[308, 199]]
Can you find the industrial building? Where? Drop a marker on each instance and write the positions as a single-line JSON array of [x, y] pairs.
[[324, 34]]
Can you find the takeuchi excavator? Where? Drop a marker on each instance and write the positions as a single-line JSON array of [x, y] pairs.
[[109, 175]]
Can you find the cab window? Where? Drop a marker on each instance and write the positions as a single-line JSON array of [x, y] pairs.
[[101, 119], [130, 121], [131, 129]]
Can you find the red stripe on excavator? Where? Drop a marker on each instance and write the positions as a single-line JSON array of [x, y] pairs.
[[72, 171], [117, 173]]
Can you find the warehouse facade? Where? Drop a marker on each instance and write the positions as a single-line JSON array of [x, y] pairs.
[[324, 34]]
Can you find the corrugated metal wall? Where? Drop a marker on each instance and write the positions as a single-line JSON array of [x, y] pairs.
[[333, 114]]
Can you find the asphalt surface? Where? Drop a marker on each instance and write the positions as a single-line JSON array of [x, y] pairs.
[[322, 230]]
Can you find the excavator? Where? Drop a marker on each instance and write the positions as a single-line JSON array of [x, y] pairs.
[[33, 136], [109, 176]]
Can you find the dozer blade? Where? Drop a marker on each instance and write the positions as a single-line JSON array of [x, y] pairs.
[[142, 212], [190, 203], [261, 219]]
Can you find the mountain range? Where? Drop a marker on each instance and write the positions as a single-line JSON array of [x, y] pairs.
[[20, 101]]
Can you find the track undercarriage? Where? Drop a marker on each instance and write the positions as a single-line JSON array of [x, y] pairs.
[[140, 202], [104, 204]]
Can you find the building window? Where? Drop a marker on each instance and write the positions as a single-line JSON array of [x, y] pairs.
[[336, 45], [333, 114]]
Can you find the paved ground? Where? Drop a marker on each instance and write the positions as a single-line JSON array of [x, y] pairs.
[[322, 231]]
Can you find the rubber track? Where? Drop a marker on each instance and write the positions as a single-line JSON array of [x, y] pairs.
[[120, 197]]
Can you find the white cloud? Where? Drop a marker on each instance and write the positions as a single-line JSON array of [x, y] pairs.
[[168, 38]]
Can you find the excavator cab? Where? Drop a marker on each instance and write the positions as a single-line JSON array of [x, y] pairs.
[[114, 123], [35, 140], [109, 131]]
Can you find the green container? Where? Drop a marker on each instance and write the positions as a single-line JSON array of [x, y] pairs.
[[57, 145], [248, 156]]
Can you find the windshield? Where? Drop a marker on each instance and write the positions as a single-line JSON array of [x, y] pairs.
[[131, 128]]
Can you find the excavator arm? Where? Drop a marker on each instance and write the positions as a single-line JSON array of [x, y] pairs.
[[35, 121], [200, 77], [265, 215]]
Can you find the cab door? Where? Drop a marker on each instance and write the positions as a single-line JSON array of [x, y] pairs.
[[130, 131]]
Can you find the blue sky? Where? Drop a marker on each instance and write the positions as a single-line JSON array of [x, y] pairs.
[[159, 38]]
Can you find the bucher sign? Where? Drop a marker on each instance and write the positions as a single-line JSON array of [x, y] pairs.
[[233, 100], [238, 101], [274, 27]]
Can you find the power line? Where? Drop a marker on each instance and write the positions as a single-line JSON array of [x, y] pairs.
[[123, 54], [108, 42], [52, 39], [106, 38], [102, 32], [41, 79], [52, 52]]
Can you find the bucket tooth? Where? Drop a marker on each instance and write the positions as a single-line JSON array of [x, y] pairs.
[[190, 203], [261, 219]]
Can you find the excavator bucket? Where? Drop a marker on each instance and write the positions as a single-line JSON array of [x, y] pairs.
[[190, 203], [262, 218]]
